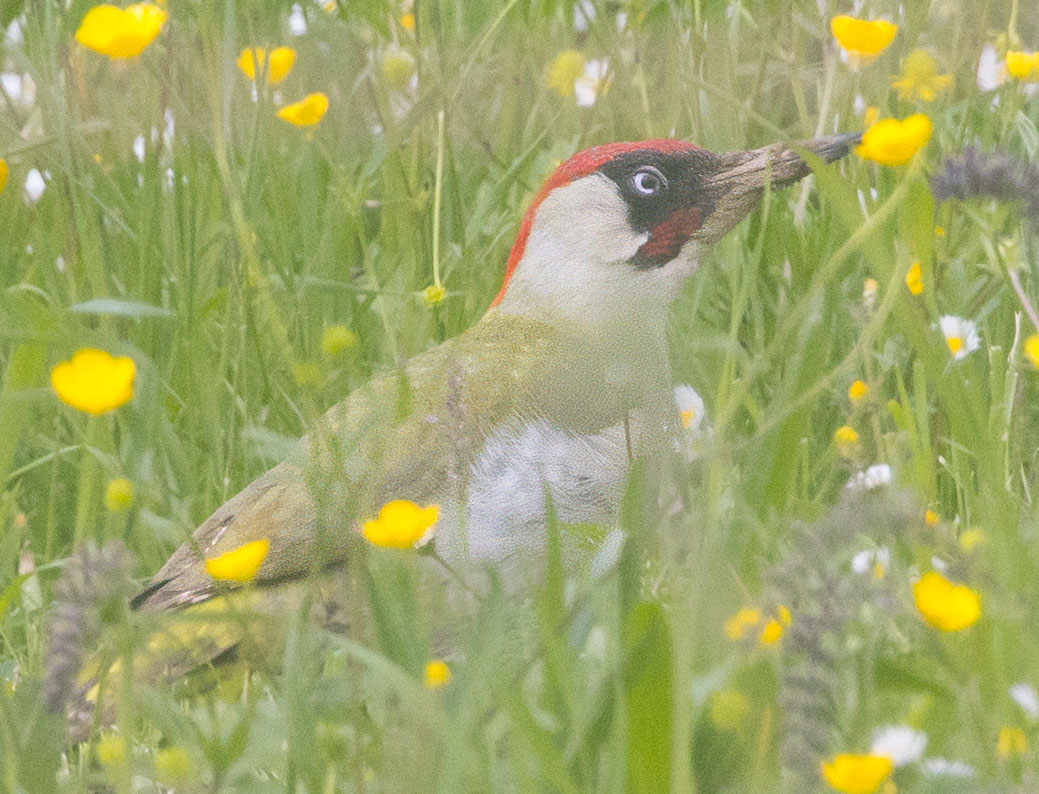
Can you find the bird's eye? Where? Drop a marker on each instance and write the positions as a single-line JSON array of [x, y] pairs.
[[648, 181]]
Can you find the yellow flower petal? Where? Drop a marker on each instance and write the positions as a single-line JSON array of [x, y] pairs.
[[862, 39], [240, 564], [251, 59], [931, 518], [915, 279], [120, 33], [858, 391], [564, 71], [400, 524], [307, 112], [3, 173], [1023, 65], [437, 674], [111, 750], [745, 619], [846, 434], [920, 78], [281, 62], [1012, 743], [771, 632], [972, 538], [407, 21], [852, 773], [894, 142], [433, 294], [946, 605], [1032, 350], [118, 495], [337, 339], [94, 381]]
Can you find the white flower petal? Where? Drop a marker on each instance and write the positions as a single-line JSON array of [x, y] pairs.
[[992, 72], [297, 22], [34, 186], [875, 476], [900, 743], [943, 767], [1025, 696]]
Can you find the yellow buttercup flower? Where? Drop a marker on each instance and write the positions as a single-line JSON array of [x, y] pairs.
[[946, 605], [846, 438], [118, 495], [279, 63], [915, 279], [858, 391], [437, 674], [1012, 743], [433, 294], [564, 70], [3, 173], [1023, 66], [94, 381], [857, 773], [745, 619], [400, 524], [111, 750], [240, 564], [920, 78], [337, 339], [862, 39], [172, 766], [307, 112], [773, 629], [120, 33], [931, 518], [894, 142], [972, 538], [1032, 350], [407, 21]]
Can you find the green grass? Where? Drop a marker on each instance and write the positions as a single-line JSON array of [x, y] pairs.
[[224, 255]]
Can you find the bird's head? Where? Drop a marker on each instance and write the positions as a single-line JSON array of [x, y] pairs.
[[621, 226]]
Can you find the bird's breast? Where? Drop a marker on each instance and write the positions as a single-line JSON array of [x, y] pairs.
[[518, 470]]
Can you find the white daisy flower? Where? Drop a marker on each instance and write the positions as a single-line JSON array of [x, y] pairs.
[[1025, 696], [34, 186], [593, 82], [872, 560], [693, 415], [992, 72], [961, 335], [297, 21], [943, 767], [900, 743], [875, 476]]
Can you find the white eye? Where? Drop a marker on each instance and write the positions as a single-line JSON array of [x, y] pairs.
[[648, 181]]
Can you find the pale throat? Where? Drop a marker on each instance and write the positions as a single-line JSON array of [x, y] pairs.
[[577, 265]]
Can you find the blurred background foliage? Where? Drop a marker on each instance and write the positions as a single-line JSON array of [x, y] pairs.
[[185, 225]]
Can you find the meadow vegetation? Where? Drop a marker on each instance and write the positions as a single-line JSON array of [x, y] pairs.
[[838, 592]]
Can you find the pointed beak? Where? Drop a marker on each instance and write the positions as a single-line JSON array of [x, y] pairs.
[[739, 182]]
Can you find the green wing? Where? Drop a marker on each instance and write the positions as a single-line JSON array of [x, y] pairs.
[[406, 435]]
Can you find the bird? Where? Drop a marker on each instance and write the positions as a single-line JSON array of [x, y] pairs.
[[543, 404]]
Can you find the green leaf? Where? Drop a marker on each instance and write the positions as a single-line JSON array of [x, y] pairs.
[[648, 693]]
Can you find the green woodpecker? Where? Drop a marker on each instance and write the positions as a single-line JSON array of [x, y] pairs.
[[559, 386]]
